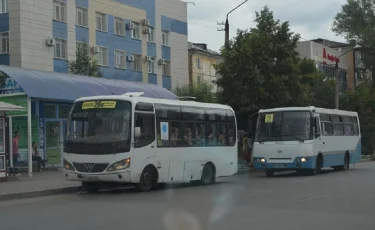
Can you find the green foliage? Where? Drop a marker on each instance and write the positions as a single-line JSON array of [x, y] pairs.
[[262, 69], [202, 92], [84, 64], [356, 21], [362, 100]]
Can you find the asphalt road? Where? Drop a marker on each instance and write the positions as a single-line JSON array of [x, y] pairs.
[[332, 200]]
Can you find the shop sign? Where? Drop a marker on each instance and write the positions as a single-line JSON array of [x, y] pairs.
[[9, 86], [329, 57]]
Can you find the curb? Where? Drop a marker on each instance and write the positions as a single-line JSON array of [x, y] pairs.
[[40, 193]]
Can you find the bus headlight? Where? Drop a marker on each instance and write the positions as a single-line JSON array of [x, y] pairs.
[[261, 160], [68, 166], [119, 165], [303, 159]]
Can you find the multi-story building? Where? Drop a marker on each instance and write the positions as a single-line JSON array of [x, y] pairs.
[[201, 65], [143, 40], [325, 59]]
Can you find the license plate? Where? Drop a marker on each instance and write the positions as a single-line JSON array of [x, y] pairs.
[[91, 178], [279, 165]]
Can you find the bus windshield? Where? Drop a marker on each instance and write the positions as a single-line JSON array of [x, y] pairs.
[[100, 127], [284, 126]]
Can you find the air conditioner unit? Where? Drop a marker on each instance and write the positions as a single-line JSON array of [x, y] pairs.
[[130, 26], [131, 58], [95, 50], [148, 58], [147, 30], [50, 42], [146, 22], [162, 62]]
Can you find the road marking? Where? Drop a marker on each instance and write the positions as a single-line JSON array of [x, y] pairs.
[[297, 181], [314, 198]]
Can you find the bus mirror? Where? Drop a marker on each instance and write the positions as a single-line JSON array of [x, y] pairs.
[[137, 132]]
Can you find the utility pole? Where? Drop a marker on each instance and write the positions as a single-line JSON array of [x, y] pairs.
[[226, 28], [337, 77]]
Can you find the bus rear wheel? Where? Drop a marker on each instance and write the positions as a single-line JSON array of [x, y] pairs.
[[208, 174]]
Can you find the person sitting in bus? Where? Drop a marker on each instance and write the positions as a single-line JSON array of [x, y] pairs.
[[187, 137], [174, 136], [210, 136], [222, 139], [199, 137]]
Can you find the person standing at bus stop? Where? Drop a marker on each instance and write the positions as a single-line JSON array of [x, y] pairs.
[[16, 154]]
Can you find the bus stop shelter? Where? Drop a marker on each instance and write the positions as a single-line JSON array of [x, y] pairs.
[[41, 88], [5, 107]]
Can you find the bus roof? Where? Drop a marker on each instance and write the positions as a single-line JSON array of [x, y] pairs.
[[312, 109], [136, 99]]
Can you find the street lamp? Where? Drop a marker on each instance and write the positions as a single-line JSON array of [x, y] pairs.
[[227, 23], [337, 89]]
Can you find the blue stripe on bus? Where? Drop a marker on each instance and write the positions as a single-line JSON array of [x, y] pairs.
[[330, 159]]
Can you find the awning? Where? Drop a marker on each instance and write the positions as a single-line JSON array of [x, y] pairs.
[[9, 107], [60, 86]]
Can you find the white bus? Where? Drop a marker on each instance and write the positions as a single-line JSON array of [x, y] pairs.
[[148, 142], [306, 139]]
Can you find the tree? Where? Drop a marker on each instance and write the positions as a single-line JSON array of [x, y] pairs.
[[260, 68], [202, 92], [321, 88], [84, 64], [356, 21], [362, 100]]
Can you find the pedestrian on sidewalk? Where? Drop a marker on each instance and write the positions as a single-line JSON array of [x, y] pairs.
[[16, 155], [37, 157]]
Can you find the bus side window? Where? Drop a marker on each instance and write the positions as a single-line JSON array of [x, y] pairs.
[[146, 122]]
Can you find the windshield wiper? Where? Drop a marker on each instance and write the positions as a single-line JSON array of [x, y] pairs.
[[263, 140], [295, 137]]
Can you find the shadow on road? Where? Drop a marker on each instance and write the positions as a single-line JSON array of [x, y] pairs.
[[129, 189], [289, 174]]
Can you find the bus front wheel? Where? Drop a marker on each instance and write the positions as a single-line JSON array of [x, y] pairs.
[[270, 174], [147, 180]]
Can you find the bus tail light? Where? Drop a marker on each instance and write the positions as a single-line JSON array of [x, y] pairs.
[[68, 166], [119, 165]]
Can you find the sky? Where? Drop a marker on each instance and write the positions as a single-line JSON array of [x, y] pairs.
[[310, 18]]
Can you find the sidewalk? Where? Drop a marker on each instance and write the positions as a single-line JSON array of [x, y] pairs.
[[44, 183]]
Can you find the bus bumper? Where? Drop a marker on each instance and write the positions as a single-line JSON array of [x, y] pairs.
[[299, 163], [117, 177]]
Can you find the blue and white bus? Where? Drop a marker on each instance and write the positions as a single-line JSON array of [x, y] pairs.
[[306, 139]]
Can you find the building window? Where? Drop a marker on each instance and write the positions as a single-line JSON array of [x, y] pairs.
[[151, 65], [102, 56], [198, 63], [101, 22], [120, 59], [166, 69], [151, 35], [137, 64], [135, 31], [81, 16], [59, 12], [119, 26], [4, 43], [60, 48], [3, 6], [165, 38], [199, 78]]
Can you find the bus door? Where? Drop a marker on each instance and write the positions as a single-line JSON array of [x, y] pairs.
[[145, 144], [318, 142]]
